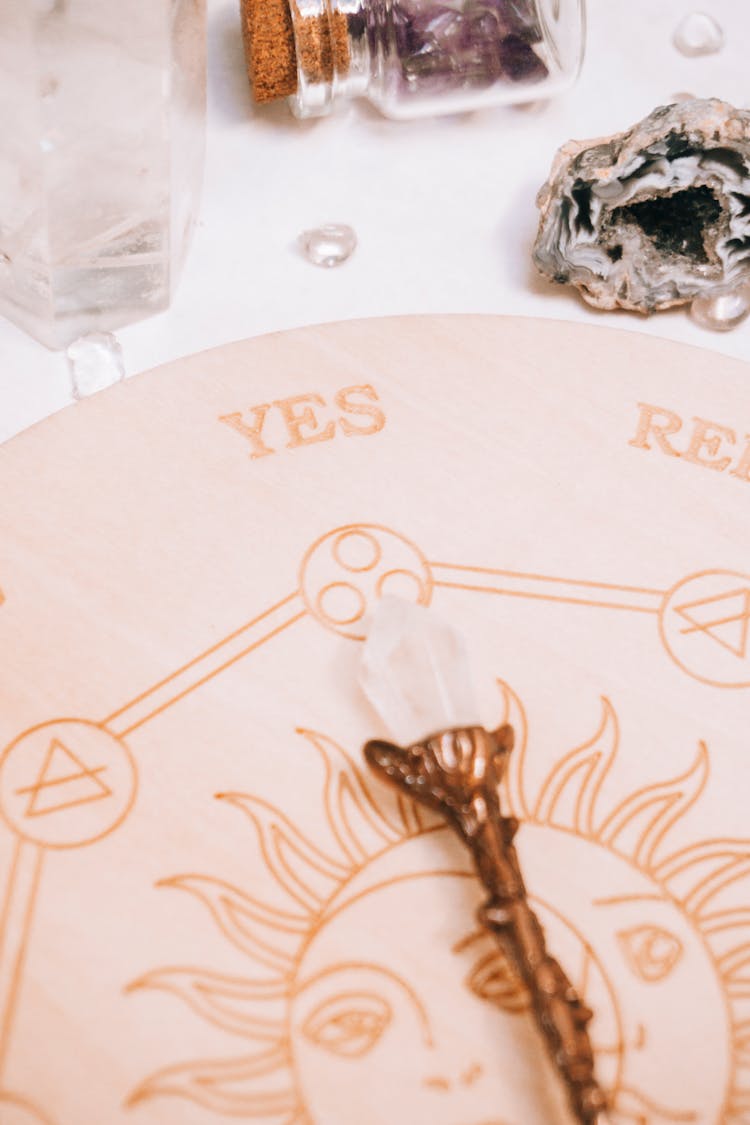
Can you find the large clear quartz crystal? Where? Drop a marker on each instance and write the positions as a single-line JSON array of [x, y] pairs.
[[102, 104], [415, 672]]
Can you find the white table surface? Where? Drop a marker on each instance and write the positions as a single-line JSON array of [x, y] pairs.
[[444, 209]]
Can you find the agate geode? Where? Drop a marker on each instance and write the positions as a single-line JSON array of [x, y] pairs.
[[653, 217]]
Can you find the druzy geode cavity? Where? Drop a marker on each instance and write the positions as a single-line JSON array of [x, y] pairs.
[[653, 217]]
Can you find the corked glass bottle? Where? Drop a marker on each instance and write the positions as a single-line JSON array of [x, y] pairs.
[[411, 57]]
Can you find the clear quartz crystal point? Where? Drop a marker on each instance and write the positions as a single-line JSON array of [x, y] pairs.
[[95, 362], [102, 104], [330, 245], [698, 34], [415, 672], [724, 312]]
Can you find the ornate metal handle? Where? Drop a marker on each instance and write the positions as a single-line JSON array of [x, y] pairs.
[[458, 773]]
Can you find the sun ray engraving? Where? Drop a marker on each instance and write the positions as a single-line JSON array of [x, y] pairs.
[[339, 1010]]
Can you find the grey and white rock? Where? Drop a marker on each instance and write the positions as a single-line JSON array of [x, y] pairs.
[[653, 217]]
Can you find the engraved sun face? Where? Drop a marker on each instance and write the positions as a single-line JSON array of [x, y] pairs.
[[414, 1019], [373, 997]]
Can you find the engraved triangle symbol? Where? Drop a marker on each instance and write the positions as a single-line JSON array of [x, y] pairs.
[[724, 618], [64, 782]]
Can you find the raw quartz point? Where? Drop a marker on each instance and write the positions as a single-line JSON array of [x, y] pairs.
[[103, 112], [698, 34], [328, 246], [415, 671], [95, 362], [654, 217]]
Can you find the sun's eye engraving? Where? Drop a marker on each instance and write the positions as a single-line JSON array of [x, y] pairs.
[[349, 1025], [651, 952], [493, 979]]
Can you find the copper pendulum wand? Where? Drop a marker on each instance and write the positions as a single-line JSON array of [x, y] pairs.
[[458, 773]]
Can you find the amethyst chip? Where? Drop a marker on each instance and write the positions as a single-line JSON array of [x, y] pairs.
[[469, 43]]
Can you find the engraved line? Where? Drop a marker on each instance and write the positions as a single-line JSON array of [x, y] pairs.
[[704, 628], [546, 578], [619, 900], [16, 929], [8, 896], [36, 787], [199, 659], [134, 720], [15, 1101], [73, 803], [569, 599]]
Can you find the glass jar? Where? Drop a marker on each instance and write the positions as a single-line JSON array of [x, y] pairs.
[[103, 111], [412, 57]]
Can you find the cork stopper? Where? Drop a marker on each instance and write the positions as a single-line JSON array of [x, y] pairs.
[[270, 50], [276, 50]]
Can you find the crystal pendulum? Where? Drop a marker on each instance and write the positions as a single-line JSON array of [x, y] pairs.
[[415, 672]]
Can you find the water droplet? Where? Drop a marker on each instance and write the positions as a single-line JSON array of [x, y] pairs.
[[682, 97], [722, 313], [329, 245], [698, 34], [95, 362]]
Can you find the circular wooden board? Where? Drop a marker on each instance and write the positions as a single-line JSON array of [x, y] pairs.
[[209, 909]]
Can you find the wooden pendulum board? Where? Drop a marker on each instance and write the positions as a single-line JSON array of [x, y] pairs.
[[210, 910]]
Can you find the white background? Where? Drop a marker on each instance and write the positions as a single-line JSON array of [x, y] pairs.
[[444, 209]]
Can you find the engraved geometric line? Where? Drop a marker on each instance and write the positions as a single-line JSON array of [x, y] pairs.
[[53, 790], [540, 587], [736, 613], [204, 667], [291, 609], [288, 611], [68, 792], [16, 922]]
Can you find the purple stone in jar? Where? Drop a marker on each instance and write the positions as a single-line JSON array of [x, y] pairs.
[[413, 58], [467, 44]]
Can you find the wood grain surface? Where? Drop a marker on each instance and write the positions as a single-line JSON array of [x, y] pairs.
[[209, 909]]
